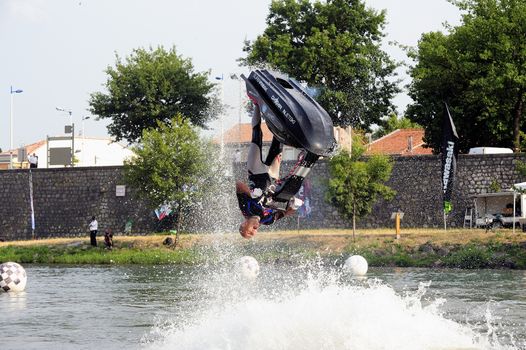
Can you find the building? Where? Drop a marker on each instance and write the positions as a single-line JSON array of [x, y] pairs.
[[237, 140], [401, 142], [89, 151]]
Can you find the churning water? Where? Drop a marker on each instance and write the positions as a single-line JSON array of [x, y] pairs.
[[298, 306], [316, 307]]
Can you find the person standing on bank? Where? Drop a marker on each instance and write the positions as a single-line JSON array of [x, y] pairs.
[[33, 160], [93, 228]]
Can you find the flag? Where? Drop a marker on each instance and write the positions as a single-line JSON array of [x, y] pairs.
[[449, 158], [304, 194], [163, 211], [31, 202]]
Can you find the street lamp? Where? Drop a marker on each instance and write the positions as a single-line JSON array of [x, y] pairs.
[[86, 117], [222, 149], [234, 76], [60, 109], [18, 91], [72, 126]]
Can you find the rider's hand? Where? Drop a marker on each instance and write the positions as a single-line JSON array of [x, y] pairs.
[[256, 193], [295, 203]]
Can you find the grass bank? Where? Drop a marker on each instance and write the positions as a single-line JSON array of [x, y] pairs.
[[416, 248]]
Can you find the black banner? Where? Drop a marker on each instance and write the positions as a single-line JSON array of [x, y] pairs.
[[449, 158]]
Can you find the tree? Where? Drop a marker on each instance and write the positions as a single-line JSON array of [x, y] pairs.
[[151, 86], [356, 182], [334, 45], [479, 69], [394, 123], [171, 166]]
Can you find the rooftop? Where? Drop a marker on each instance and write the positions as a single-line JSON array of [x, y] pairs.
[[405, 142]]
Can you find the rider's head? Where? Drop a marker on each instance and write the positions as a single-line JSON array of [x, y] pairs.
[[249, 227]]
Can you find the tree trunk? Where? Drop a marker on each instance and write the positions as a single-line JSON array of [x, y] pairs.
[[178, 225], [517, 113], [353, 221]]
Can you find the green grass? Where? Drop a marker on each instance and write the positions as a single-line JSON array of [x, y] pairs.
[[88, 255], [467, 249]]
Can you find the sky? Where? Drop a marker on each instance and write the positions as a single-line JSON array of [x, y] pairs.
[[56, 51]]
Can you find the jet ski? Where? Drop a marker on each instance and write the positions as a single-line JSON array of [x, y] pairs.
[[295, 119]]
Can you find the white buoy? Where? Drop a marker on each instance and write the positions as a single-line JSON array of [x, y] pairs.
[[356, 265], [13, 277], [248, 267]]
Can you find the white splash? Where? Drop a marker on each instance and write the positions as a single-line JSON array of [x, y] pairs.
[[323, 314]]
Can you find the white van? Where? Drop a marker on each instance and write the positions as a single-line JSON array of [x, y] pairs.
[[489, 150]]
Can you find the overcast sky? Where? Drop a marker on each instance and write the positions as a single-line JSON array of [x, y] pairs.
[[56, 51]]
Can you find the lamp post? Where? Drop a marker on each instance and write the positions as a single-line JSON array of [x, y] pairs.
[[222, 149], [18, 91], [234, 76], [60, 109], [86, 117]]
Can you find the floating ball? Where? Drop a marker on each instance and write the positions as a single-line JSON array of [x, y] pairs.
[[13, 277], [356, 264], [249, 267]]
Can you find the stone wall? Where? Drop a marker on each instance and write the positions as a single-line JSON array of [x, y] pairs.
[[65, 199], [417, 182]]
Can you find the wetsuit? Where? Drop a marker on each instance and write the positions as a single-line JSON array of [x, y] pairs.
[[261, 174], [250, 205]]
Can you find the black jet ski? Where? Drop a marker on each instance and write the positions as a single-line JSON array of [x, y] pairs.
[[294, 118]]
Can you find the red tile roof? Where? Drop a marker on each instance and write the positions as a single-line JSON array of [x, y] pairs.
[[29, 148], [397, 143], [243, 133]]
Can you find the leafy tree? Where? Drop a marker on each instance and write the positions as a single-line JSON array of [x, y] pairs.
[[479, 68], [171, 167], [334, 44], [394, 123], [357, 182], [521, 168], [151, 86]]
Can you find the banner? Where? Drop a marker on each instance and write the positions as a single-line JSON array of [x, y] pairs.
[[163, 211], [449, 158], [31, 204], [304, 194]]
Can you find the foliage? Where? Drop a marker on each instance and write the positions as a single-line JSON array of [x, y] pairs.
[[171, 166], [521, 168], [469, 257], [393, 123], [334, 45], [494, 186], [85, 254], [357, 182], [479, 68], [151, 86]]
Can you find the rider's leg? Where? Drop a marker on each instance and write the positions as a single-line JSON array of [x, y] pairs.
[[255, 164], [274, 158]]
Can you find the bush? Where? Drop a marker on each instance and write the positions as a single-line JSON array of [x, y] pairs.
[[469, 257]]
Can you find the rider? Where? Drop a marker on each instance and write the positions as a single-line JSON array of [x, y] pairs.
[[261, 175]]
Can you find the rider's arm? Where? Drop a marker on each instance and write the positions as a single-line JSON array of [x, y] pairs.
[[289, 212], [282, 214]]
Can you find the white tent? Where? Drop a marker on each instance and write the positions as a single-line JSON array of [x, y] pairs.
[[490, 204], [520, 189], [520, 186]]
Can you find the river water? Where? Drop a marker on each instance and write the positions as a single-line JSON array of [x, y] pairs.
[[301, 306]]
